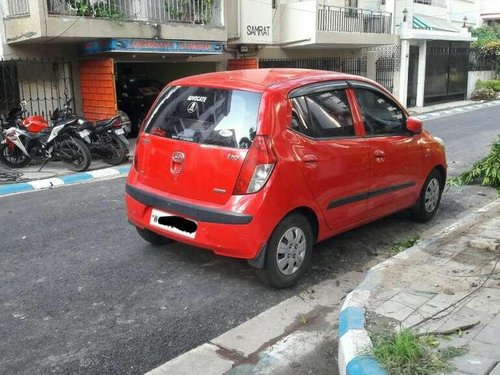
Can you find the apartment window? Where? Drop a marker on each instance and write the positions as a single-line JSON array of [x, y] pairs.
[[351, 3]]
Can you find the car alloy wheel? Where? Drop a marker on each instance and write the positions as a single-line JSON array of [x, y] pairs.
[[432, 193]]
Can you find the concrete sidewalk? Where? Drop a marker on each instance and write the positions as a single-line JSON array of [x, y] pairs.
[[448, 285]]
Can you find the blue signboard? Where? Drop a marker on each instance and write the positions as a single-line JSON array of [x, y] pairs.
[[151, 46]]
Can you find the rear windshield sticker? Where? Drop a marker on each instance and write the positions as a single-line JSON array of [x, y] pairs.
[[195, 98], [192, 107], [225, 133]]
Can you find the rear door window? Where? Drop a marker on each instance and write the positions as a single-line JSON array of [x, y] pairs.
[[323, 115], [209, 116]]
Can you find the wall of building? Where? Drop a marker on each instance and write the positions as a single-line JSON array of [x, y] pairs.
[[476, 76]]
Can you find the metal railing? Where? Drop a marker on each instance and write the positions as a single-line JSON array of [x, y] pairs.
[[355, 20], [182, 11], [349, 65], [16, 8], [434, 3]]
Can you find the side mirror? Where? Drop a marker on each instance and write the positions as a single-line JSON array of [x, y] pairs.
[[414, 125]]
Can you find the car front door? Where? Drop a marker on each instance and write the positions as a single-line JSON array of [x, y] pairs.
[[395, 162], [325, 141]]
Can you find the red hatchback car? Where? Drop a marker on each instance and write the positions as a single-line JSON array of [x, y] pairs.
[[261, 164]]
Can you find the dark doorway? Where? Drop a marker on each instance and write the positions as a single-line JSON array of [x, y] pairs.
[[446, 71]]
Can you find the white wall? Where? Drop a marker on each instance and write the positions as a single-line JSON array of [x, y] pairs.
[[298, 21], [474, 77], [464, 8]]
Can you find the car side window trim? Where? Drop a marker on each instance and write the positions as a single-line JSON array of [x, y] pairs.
[[323, 138], [317, 88], [365, 86]]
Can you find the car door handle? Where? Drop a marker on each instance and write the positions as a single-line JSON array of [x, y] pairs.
[[310, 160]]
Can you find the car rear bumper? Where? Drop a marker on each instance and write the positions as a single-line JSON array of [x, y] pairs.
[[223, 232]]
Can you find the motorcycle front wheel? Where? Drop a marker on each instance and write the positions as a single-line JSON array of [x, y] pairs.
[[115, 151], [74, 153], [13, 157]]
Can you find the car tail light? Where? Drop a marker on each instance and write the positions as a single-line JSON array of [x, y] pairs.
[[135, 162], [257, 167]]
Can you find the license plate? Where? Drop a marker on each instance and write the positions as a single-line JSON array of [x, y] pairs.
[[84, 133], [119, 131], [159, 217]]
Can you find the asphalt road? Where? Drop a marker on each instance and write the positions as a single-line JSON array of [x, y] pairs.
[[467, 136], [80, 292]]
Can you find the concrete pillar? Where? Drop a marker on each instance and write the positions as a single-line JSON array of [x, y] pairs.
[[371, 65], [403, 77], [422, 56]]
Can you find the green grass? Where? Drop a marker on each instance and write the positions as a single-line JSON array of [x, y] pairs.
[[403, 245], [404, 353]]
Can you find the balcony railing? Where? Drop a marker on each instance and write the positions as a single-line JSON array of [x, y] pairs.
[[435, 3], [183, 11], [17, 8], [354, 20]]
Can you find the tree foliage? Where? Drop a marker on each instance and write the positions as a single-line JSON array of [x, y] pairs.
[[488, 39]]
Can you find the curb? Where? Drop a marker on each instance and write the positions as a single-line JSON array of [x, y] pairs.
[[49, 183], [452, 110], [354, 342]]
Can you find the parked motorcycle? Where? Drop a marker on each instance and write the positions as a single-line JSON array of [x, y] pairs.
[[107, 139], [13, 118], [104, 138], [21, 146]]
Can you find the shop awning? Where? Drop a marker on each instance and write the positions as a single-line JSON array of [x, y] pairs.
[[421, 22]]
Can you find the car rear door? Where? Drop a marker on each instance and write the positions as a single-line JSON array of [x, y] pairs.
[[395, 162], [326, 145], [196, 140]]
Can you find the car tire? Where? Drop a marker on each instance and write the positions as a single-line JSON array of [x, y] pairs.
[[430, 197], [288, 252], [153, 238]]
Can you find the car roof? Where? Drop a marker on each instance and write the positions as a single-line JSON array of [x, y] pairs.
[[261, 79]]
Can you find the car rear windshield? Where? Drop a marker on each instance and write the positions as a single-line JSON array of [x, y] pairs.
[[203, 115]]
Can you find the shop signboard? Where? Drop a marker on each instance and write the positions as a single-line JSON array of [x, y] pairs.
[[186, 47]]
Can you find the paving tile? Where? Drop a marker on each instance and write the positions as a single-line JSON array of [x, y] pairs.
[[394, 310], [486, 300], [489, 334], [471, 364], [482, 348], [495, 321], [453, 341]]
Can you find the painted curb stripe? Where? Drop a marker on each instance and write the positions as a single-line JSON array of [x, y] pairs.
[[46, 183], [75, 178], [351, 318], [63, 180], [123, 169], [364, 365], [15, 188]]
